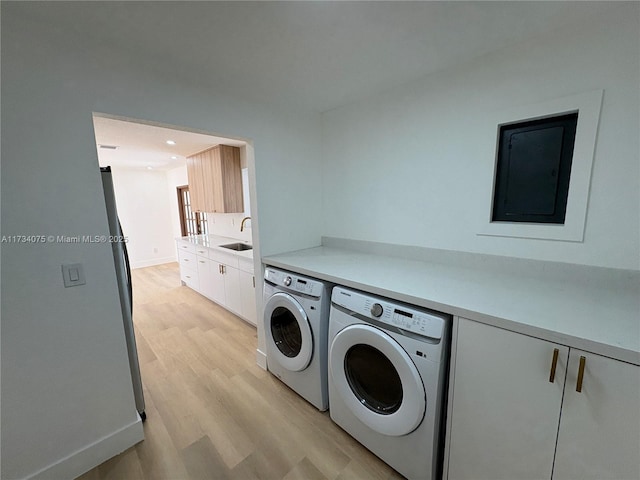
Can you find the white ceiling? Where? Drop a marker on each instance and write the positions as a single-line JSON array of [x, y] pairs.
[[144, 146], [309, 55]]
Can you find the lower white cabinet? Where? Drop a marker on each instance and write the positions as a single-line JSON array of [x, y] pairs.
[[505, 411], [211, 286], [599, 435], [188, 269], [220, 276], [216, 283], [248, 297], [223, 286], [231, 278], [516, 414]]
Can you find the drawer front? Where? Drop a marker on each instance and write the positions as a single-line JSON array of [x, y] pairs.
[[188, 260], [201, 251], [225, 258], [190, 278], [203, 265], [186, 246]]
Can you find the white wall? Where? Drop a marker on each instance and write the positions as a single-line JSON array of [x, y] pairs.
[[405, 167], [145, 214], [65, 380]]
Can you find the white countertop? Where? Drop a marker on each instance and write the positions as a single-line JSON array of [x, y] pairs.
[[214, 242], [589, 308]]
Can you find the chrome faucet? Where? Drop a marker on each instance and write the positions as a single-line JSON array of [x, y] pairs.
[[242, 224]]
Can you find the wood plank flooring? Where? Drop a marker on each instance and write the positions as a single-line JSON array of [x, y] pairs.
[[212, 413]]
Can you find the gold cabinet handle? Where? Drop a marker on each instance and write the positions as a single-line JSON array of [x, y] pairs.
[[554, 364], [583, 360], [224, 269], [254, 282], [220, 269]]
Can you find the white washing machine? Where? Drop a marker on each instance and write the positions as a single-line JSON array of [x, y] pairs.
[[296, 324], [388, 367]]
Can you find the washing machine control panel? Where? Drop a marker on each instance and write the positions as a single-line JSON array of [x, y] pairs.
[[293, 282], [398, 315]]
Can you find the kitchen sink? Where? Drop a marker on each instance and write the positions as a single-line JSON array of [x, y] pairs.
[[238, 247]]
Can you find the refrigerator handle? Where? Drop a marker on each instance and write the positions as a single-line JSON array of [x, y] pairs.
[[128, 266]]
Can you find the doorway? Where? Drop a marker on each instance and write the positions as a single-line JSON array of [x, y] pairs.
[[149, 165], [191, 223]]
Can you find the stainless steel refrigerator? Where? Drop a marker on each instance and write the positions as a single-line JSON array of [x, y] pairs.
[[123, 274]]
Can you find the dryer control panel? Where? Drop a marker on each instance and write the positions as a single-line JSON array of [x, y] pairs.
[[293, 282], [411, 319]]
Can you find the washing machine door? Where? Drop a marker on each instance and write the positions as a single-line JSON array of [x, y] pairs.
[[377, 380], [288, 332]]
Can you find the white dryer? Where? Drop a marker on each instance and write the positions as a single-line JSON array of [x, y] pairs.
[[388, 365], [296, 324]]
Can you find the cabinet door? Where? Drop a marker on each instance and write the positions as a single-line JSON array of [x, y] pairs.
[[505, 411], [599, 435], [217, 283], [215, 180], [208, 180], [228, 194], [233, 301], [196, 183], [204, 276], [248, 297]]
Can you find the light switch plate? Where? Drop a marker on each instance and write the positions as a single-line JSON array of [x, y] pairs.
[[73, 275]]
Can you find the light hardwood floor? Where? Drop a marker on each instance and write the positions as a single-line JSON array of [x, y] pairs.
[[212, 413]]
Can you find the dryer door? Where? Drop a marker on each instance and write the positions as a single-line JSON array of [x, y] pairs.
[[288, 332], [377, 380]]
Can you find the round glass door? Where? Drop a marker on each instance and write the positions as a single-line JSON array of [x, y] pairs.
[[286, 332], [373, 379], [289, 337], [377, 380]]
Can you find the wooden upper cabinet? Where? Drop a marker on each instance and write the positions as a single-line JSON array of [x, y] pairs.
[[215, 180], [207, 171], [196, 185], [227, 196]]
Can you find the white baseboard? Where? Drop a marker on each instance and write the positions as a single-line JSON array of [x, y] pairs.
[[153, 261], [261, 359], [93, 454]]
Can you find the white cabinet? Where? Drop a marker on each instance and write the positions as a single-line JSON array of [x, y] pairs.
[[599, 435], [188, 269], [186, 246], [217, 288], [205, 280], [231, 278], [248, 297], [224, 267], [507, 407], [222, 276], [505, 411]]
